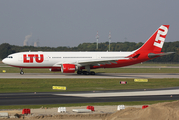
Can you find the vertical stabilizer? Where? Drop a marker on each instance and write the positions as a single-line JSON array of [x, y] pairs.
[[156, 41]]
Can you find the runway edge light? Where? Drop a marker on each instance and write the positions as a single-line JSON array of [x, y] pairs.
[[59, 87]]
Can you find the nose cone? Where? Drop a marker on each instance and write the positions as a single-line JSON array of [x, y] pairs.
[[8, 61], [4, 60]]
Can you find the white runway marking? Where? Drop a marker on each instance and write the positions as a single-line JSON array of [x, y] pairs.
[[117, 94]]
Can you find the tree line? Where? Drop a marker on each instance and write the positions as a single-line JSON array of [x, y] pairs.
[[6, 49]]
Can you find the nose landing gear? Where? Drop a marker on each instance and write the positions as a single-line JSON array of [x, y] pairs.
[[21, 72]]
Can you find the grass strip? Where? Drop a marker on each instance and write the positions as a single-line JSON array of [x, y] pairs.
[[84, 104], [45, 85]]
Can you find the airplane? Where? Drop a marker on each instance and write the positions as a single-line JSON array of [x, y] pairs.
[[82, 62]]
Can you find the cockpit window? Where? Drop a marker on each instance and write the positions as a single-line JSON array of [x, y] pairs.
[[9, 57]]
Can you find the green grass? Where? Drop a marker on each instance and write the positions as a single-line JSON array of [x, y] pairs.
[[45, 85], [84, 104]]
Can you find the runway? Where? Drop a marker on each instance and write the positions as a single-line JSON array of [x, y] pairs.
[[98, 75], [88, 97]]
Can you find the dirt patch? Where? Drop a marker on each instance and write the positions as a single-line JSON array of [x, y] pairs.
[[12, 112], [73, 116], [160, 111]]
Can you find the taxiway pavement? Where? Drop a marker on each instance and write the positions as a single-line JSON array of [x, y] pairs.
[[88, 97], [98, 75]]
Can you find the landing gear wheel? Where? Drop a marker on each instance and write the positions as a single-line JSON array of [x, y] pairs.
[[92, 73], [79, 72], [84, 72], [21, 72]]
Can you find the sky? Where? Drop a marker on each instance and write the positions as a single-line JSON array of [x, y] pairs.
[[56, 23]]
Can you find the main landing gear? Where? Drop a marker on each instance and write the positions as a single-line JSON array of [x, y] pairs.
[[21, 72], [88, 72], [85, 73]]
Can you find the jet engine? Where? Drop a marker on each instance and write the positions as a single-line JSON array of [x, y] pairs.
[[68, 68]]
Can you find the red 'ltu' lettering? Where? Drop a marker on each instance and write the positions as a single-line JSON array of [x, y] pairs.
[[25, 58], [30, 58], [39, 60]]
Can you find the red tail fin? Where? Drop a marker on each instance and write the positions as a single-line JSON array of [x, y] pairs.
[[156, 41]]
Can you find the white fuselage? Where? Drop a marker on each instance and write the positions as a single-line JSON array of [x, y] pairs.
[[55, 59]]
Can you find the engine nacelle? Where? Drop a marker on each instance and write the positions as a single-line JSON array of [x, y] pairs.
[[68, 68], [55, 69]]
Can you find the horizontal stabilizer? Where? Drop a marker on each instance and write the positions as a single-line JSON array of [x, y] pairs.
[[151, 55]]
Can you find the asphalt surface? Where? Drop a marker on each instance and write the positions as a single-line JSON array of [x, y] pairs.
[[74, 97], [98, 75]]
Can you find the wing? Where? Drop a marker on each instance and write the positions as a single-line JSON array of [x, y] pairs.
[[93, 62], [97, 62]]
